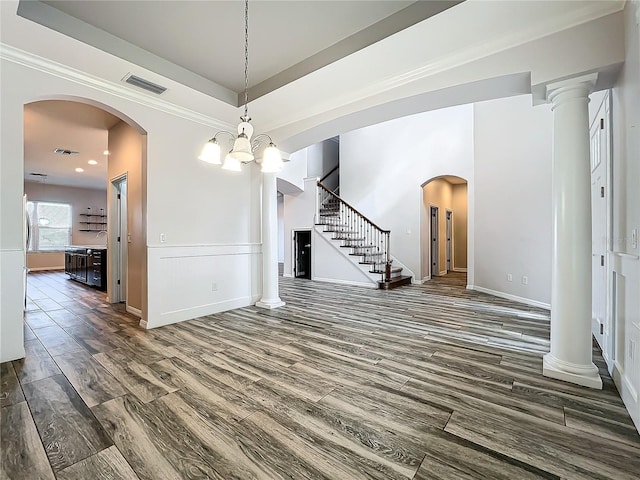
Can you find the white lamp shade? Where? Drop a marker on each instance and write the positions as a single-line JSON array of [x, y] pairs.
[[210, 153], [271, 160], [232, 163], [242, 149]]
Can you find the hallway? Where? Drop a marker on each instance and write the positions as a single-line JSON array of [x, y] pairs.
[[424, 382]]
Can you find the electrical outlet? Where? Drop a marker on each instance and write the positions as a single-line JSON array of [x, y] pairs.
[[509, 277], [525, 280], [128, 238], [163, 238], [214, 287]]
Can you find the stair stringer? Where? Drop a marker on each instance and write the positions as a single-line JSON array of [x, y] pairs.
[[345, 269], [405, 270]]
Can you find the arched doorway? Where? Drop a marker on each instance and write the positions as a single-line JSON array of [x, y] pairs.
[[100, 146], [444, 226]]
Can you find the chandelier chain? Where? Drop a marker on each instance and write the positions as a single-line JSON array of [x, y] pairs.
[[246, 58]]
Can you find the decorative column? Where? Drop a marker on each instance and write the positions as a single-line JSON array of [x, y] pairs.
[[571, 344], [270, 298]]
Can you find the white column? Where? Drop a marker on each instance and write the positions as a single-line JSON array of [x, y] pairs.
[[571, 344], [270, 298]]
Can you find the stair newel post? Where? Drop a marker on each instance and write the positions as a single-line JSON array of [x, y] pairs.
[[318, 202]]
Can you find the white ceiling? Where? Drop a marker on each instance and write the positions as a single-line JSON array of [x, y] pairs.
[[73, 126], [191, 41]]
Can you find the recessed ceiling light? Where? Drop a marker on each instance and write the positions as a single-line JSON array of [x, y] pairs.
[[106, 152], [92, 162], [79, 170]]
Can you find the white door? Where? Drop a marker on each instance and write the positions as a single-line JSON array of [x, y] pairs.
[[435, 260], [599, 228]]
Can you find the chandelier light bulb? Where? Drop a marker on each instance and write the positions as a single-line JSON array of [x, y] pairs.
[[211, 152], [231, 163], [271, 159]]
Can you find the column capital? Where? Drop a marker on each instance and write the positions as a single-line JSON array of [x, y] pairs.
[[571, 88]]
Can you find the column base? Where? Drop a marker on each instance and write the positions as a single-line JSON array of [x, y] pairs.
[[585, 375], [270, 304]]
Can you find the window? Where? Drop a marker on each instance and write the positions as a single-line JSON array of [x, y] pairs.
[[50, 226]]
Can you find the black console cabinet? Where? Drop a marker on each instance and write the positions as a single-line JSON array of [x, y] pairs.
[[87, 265]]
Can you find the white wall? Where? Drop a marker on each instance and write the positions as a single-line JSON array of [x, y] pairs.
[[201, 209], [623, 260], [513, 151], [383, 168], [79, 199]]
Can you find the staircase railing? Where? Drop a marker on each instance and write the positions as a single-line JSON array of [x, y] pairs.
[[354, 230]]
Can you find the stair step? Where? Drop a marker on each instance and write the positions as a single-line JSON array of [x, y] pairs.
[[352, 239], [358, 246], [395, 270], [329, 214], [366, 254], [394, 282]]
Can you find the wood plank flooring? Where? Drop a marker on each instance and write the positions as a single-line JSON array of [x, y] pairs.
[[423, 382]]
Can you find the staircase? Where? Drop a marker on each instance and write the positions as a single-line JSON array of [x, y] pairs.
[[368, 243]]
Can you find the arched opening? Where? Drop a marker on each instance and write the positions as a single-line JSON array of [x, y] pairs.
[[444, 227], [77, 155]]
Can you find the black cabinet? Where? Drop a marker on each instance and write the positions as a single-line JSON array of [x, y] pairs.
[[87, 265]]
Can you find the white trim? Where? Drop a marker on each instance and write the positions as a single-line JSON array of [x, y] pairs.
[[181, 315], [344, 282], [45, 65], [508, 296], [461, 270], [627, 393], [287, 275], [45, 269], [442, 273], [134, 311], [143, 324]]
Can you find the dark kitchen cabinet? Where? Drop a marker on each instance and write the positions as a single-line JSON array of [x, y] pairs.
[[87, 265]]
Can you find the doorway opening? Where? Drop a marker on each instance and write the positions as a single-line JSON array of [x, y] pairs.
[[302, 253], [444, 226], [99, 154]]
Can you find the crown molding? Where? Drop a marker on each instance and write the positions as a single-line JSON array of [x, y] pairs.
[[50, 67]]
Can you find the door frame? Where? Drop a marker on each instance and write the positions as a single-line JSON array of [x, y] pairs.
[[294, 250]]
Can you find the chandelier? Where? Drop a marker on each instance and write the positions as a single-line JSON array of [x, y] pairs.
[[244, 146]]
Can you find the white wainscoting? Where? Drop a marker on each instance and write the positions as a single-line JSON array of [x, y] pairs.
[[190, 281], [11, 304], [626, 322]]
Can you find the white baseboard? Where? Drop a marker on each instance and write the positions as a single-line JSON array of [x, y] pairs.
[[134, 311], [508, 296], [182, 315], [627, 393], [442, 273], [143, 324], [288, 275], [461, 270], [345, 282], [45, 269]]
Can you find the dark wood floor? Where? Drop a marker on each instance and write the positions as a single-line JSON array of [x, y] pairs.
[[423, 382]]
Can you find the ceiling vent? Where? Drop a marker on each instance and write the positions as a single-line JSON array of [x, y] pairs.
[[64, 151], [144, 84]]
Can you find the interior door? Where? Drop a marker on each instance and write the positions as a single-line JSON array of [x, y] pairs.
[[302, 241], [449, 230], [599, 231], [435, 261]]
